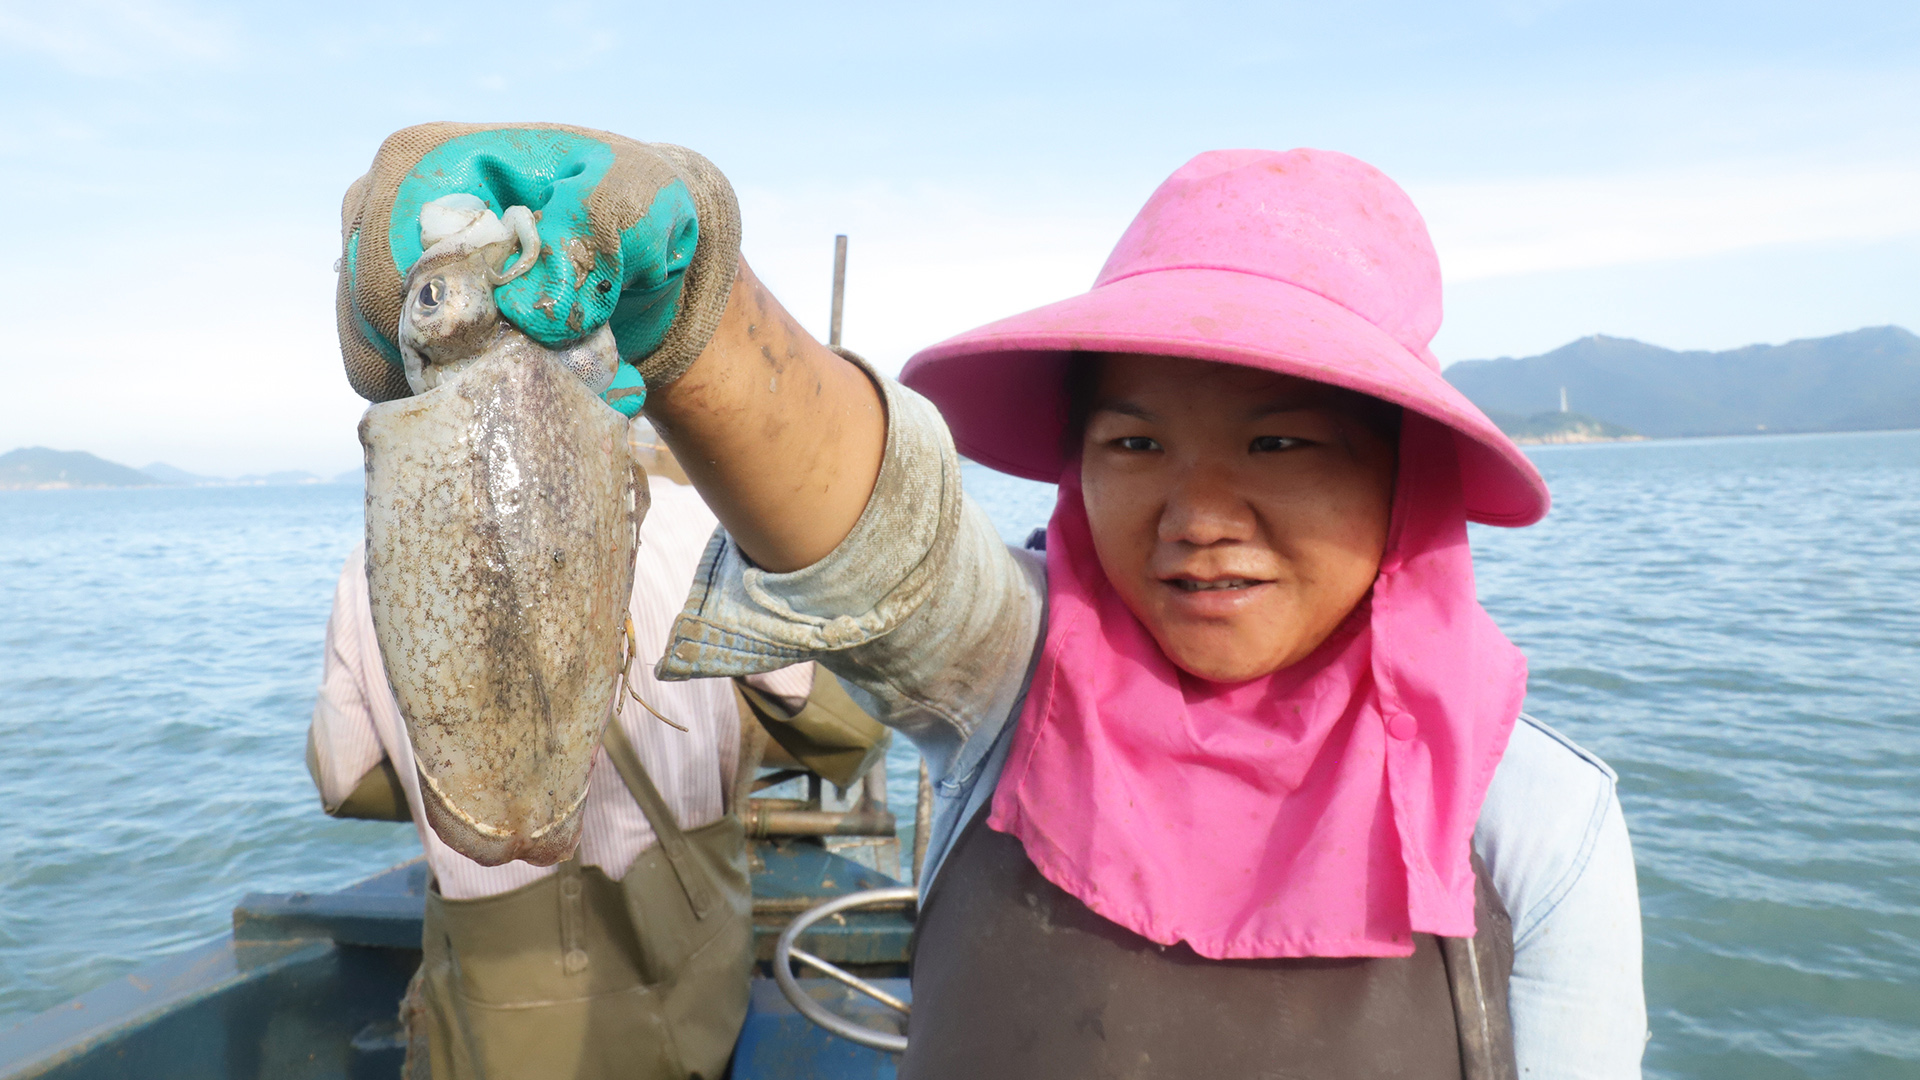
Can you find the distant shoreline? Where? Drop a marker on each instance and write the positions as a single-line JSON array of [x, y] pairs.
[[63, 485], [40, 468], [1548, 440], [1572, 438], [1709, 438]]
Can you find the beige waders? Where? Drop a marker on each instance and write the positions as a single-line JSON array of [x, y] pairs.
[[581, 977]]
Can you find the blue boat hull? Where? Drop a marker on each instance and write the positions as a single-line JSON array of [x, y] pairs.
[[308, 987]]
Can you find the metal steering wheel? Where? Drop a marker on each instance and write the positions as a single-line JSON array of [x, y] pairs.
[[784, 954]]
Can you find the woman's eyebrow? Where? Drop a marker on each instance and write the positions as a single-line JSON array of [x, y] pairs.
[[1125, 408]]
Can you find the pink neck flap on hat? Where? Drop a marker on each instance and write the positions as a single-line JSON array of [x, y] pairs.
[[1324, 810]]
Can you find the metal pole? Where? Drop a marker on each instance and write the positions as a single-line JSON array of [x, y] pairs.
[[922, 821], [839, 288]]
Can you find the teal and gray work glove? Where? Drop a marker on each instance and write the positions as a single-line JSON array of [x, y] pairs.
[[643, 238]]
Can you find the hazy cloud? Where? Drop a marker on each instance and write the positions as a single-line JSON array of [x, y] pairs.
[[109, 38], [1523, 226]]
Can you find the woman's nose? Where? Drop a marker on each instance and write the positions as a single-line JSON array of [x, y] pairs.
[[1205, 508]]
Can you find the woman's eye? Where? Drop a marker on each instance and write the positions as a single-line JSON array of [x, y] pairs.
[[1136, 443], [1268, 444]]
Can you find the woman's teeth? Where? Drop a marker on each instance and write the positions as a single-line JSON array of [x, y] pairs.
[[1223, 583]]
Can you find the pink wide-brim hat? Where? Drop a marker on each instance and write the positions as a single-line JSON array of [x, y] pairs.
[[1306, 263]]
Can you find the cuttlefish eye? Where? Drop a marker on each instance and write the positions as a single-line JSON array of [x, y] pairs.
[[432, 293]]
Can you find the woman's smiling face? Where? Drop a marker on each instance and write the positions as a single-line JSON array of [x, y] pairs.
[[1240, 514]]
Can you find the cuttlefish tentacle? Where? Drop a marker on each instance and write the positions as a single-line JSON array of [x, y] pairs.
[[520, 220], [631, 645]]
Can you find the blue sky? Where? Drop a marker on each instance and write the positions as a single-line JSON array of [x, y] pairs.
[[1699, 175]]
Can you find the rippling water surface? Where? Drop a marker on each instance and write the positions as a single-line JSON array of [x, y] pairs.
[[159, 650], [1734, 624]]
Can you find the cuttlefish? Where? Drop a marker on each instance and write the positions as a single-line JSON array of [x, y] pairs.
[[503, 511]]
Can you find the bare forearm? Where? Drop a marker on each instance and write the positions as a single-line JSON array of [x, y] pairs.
[[782, 437]]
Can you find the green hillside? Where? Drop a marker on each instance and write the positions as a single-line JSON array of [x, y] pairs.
[[1866, 380], [39, 467]]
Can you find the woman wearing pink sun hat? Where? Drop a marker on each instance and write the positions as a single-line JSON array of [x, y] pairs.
[[1268, 721], [1232, 778]]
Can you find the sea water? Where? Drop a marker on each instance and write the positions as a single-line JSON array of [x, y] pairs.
[[1734, 624]]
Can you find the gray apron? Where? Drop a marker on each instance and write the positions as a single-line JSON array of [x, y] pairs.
[[581, 977], [1014, 978]]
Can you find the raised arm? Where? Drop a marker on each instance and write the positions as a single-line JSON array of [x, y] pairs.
[[782, 437]]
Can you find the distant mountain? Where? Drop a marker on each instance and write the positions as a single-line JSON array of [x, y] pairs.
[[39, 467], [167, 474], [289, 476], [1560, 427], [352, 476], [1861, 381]]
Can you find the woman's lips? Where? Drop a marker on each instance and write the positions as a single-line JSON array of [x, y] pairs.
[[1214, 597], [1191, 585]]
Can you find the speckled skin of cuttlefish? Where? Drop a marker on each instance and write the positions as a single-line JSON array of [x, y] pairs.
[[502, 512]]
